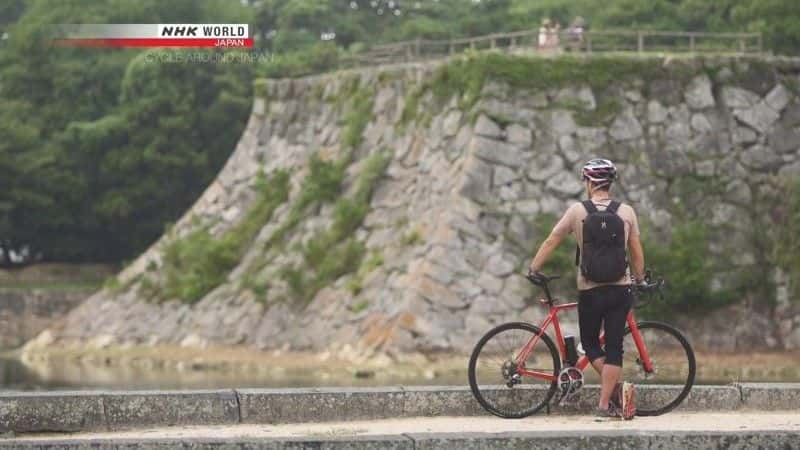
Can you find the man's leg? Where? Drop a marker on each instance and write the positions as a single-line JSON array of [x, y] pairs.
[[598, 364], [619, 300], [590, 321], [608, 379]]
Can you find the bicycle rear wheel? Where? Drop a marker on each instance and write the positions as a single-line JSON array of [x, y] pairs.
[[492, 368], [673, 364]]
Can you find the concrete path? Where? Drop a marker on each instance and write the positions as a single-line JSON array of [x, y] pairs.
[[674, 422], [712, 417]]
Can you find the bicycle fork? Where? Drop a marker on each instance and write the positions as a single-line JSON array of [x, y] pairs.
[[641, 347]]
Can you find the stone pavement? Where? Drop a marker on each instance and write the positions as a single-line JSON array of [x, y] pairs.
[[695, 430]]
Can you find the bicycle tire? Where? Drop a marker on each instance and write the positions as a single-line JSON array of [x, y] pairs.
[[473, 382], [689, 382]]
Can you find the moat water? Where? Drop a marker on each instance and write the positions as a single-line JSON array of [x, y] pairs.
[[16, 375]]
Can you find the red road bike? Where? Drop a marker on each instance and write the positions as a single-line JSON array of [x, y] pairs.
[[516, 369]]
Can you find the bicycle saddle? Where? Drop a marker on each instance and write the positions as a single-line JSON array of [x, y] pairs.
[[540, 279]]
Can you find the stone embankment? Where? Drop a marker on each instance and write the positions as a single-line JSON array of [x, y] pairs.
[[119, 410], [33, 297], [413, 417], [427, 255], [24, 313]]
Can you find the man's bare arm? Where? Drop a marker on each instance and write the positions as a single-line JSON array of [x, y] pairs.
[[545, 250], [637, 257]]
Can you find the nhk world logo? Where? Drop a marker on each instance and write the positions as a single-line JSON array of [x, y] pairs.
[[226, 35]]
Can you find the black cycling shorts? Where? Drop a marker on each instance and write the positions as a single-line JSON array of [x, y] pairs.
[[607, 306]]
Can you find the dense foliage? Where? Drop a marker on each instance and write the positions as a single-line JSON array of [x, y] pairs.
[[100, 149], [197, 263], [786, 243], [293, 29]]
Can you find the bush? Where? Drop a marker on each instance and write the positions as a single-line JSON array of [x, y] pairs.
[[195, 264], [683, 262], [199, 262], [357, 118], [786, 244], [466, 76], [334, 252], [323, 182]]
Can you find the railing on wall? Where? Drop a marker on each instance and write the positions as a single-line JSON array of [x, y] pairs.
[[587, 42]]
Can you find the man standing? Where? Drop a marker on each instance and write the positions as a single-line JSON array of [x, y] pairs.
[[607, 232]]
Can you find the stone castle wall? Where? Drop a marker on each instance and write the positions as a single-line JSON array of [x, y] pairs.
[[454, 219]]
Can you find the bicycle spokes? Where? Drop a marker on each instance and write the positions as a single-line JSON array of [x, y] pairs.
[[672, 363], [502, 382]]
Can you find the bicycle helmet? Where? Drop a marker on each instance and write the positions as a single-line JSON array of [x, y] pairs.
[[601, 172]]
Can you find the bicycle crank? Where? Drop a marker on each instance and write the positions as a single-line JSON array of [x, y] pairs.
[[570, 381]]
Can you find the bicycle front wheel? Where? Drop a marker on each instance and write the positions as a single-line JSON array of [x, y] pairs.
[[673, 364], [500, 386]]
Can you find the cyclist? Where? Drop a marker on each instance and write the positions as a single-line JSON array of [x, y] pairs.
[[601, 302]]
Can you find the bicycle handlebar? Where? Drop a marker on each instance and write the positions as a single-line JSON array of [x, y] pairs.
[[648, 286]]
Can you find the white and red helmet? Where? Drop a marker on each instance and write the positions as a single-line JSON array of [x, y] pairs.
[[601, 172]]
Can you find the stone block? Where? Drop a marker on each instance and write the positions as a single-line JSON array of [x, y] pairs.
[[581, 97], [770, 396], [517, 134], [319, 405], [700, 398], [760, 117], [778, 98], [52, 411], [451, 122], [562, 122], [486, 127], [503, 176], [565, 183], [668, 91], [626, 126], [701, 124], [476, 181], [545, 167], [784, 139], [440, 401], [655, 112], [165, 408], [735, 97], [698, 93], [498, 152]]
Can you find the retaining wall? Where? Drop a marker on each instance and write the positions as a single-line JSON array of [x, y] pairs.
[[463, 441], [24, 313], [93, 411]]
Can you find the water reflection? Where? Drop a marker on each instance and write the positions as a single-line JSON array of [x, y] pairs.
[[16, 375], [113, 375]]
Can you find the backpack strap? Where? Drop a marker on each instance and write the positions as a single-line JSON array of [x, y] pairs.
[[590, 208], [613, 206]]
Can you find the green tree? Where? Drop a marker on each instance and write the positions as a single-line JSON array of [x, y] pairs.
[[86, 152], [174, 129]]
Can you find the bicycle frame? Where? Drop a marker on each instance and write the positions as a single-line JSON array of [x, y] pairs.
[[583, 361]]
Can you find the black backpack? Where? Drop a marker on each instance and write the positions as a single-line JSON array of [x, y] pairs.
[[604, 259]]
